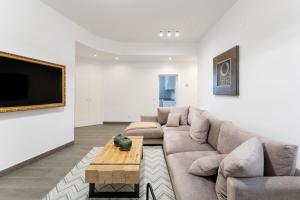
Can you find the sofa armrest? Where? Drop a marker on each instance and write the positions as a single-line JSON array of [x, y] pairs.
[[149, 118], [264, 188]]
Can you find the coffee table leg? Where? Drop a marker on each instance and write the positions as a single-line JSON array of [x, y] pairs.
[[137, 190], [134, 194], [91, 189]]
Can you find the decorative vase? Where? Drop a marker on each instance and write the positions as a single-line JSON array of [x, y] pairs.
[[117, 139], [125, 144]]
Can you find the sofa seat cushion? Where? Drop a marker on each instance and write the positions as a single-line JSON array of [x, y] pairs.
[[180, 141], [179, 128], [147, 133], [186, 185]]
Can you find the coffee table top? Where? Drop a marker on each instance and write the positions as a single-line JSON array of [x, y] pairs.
[[115, 166], [111, 155]]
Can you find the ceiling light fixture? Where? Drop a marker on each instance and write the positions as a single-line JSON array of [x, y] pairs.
[[95, 55], [161, 34], [169, 34], [170, 58]]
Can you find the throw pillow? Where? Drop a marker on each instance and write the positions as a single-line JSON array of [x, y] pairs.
[[162, 115], [247, 160], [173, 120], [207, 165], [199, 129], [192, 112], [183, 111]]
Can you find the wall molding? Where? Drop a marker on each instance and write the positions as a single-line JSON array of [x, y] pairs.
[[34, 159]]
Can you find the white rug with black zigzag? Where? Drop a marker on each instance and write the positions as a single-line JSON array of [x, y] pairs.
[[153, 170]]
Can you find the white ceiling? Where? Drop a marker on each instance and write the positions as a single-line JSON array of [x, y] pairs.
[[83, 51], [140, 20]]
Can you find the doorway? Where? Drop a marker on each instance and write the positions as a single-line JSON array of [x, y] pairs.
[[167, 90]]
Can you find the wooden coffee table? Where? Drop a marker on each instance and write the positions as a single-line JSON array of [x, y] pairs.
[[113, 166]]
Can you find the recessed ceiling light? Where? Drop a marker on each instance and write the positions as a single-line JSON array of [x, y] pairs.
[[95, 55], [170, 58], [116, 58], [161, 34], [169, 34], [177, 34]]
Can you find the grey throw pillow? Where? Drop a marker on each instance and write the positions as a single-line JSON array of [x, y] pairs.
[[173, 120], [199, 129], [183, 111], [162, 115], [247, 160], [192, 112], [207, 165]]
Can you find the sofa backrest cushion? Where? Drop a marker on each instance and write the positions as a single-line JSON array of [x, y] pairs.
[[279, 157], [162, 115], [214, 129], [192, 112]]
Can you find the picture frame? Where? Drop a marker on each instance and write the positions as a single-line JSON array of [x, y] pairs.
[[226, 73], [42, 65]]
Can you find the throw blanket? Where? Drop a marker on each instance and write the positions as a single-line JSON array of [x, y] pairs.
[[141, 125]]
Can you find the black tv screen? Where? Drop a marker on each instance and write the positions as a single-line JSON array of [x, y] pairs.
[[30, 84]]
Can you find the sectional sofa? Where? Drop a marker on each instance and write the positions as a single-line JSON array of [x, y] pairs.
[[281, 180]]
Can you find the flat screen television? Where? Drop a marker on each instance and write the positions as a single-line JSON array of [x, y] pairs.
[[27, 83]]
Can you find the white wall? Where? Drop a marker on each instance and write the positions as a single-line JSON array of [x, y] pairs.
[[268, 33], [129, 88], [132, 88], [30, 28]]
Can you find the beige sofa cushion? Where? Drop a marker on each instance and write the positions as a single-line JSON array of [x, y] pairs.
[[162, 115], [186, 185], [280, 158], [192, 112], [207, 165], [214, 128], [180, 141], [147, 133], [179, 128], [245, 161], [199, 129], [183, 111], [173, 120]]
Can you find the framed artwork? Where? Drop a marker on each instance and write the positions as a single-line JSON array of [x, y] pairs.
[[29, 84], [226, 73]]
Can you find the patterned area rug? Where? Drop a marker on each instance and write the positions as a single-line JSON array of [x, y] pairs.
[[153, 170]]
